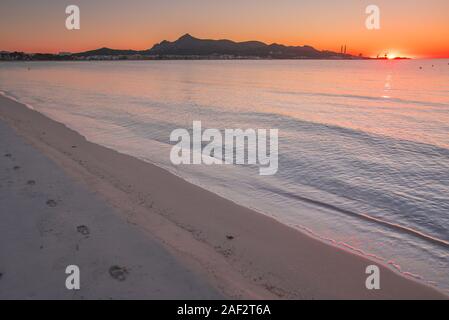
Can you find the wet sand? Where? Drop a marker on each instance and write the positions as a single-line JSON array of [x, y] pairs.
[[92, 206]]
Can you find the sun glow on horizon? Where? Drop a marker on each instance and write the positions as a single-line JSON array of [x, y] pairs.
[[392, 56]]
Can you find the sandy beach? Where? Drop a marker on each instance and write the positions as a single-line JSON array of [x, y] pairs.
[[65, 200]]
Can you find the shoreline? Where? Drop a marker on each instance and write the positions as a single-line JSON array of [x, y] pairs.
[[49, 221], [243, 253]]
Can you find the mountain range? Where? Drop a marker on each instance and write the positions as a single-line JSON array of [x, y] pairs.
[[191, 47]]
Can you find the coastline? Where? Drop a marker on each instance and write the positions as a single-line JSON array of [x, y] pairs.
[[242, 253]]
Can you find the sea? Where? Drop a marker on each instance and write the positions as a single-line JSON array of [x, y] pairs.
[[363, 145]]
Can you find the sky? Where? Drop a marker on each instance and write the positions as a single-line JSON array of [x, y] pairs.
[[413, 28]]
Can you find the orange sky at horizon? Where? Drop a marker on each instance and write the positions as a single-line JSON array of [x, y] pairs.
[[412, 28]]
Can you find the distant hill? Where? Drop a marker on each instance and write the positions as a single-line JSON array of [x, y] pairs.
[[188, 46], [106, 52]]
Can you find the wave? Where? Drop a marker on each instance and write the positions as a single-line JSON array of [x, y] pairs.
[[391, 225], [363, 97], [12, 97], [288, 122]]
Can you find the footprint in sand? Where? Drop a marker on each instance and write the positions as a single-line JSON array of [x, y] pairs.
[[51, 203], [84, 230], [8, 155], [229, 237], [118, 273], [31, 182], [16, 168]]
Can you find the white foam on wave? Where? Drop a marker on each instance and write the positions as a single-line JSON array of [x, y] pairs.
[[9, 96]]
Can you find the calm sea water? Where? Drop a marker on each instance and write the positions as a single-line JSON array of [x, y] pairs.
[[363, 145]]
